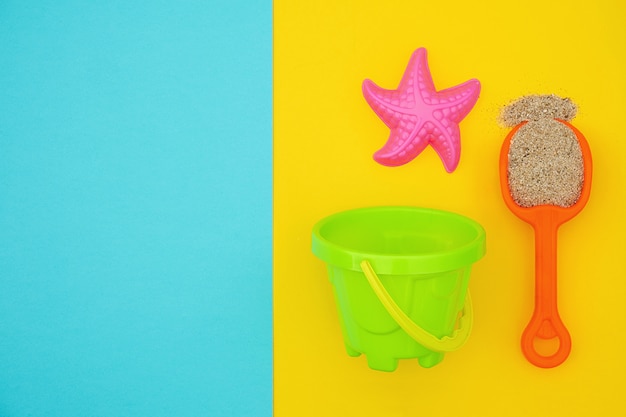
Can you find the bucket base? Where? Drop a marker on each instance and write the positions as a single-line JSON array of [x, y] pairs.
[[387, 363]]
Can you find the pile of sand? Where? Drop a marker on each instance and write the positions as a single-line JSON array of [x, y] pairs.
[[545, 160]]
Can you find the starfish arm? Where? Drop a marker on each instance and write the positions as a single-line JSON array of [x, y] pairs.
[[422, 79], [385, 103], [403, 144], [446, 141], [458, 101]]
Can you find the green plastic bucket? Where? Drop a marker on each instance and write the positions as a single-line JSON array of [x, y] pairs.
[[400, 277]]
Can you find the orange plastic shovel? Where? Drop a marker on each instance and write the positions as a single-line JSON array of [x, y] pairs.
[[546, 219]]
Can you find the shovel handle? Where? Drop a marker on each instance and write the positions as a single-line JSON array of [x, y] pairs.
[[546, 323]]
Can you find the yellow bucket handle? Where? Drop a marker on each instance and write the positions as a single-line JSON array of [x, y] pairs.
[[421, 336]]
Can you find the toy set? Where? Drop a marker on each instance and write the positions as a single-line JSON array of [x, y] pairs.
[[400, 274]]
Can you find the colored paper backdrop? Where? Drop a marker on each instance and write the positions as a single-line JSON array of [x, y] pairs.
[[135, 208], [325, 135]]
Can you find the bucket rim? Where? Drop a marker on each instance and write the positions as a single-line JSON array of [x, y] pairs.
[[461, 255]]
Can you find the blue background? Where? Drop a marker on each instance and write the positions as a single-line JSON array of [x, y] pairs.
[[135, 208]]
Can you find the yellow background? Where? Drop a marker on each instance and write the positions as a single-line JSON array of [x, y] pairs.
[[325, 135]]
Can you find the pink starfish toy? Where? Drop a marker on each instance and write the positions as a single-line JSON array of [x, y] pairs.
[[419, 115]]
